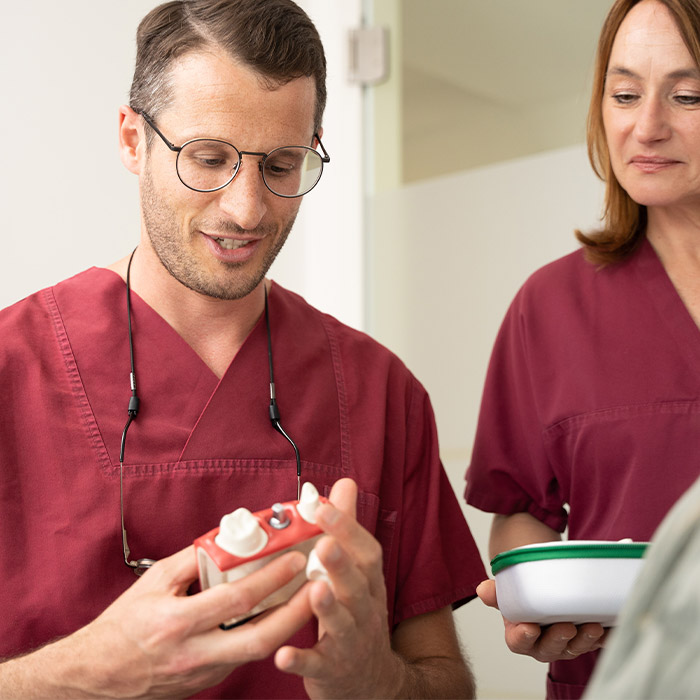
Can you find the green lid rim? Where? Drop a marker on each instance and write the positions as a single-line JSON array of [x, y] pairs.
[[613, 550]]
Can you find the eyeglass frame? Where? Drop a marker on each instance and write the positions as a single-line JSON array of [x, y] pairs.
[[325, 158]]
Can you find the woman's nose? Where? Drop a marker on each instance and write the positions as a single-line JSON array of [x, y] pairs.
[[652, 122]]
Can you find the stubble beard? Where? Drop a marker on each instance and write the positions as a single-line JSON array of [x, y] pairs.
[[169, 243]]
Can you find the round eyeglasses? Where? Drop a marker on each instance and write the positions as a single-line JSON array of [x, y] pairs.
[[207, 165]]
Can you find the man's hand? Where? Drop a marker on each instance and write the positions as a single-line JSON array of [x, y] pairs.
[[353, 657], [557, 642], [155, 641]]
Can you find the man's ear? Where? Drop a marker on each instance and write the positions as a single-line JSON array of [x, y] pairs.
[[132, 145]]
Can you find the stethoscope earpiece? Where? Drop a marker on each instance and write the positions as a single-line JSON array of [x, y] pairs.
[[140, 566]]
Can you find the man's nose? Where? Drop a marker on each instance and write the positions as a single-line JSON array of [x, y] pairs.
[[243, 199]]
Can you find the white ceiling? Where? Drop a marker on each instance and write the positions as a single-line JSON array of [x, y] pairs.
[[512, 51], [508, 62]]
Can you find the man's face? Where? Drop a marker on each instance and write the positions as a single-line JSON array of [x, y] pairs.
[[222, 243]]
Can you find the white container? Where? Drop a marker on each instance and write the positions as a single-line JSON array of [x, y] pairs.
[[576, 581]]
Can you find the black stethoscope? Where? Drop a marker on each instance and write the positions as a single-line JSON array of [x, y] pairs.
[[139, 566]]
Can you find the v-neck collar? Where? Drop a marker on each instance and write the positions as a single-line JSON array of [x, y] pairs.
[[174, 400], [665, 299]]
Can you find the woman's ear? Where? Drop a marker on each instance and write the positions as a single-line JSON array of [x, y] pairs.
[[132, 147]]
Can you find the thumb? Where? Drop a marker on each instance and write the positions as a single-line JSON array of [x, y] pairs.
[[486, 591], [174, 573], [344, 496]]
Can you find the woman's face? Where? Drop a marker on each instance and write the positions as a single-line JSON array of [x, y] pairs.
[[651, 110]]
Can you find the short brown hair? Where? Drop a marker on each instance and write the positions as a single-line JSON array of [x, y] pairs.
[[274, 37], [624, 221]]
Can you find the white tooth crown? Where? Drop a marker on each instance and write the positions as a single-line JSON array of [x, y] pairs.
[[308, 502], [240, 534], [315, 571]]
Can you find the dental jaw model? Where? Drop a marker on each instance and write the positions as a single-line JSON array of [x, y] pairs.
[[245, 542]]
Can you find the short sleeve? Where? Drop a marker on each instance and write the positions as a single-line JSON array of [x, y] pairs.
[[510, 471], [438, 563]]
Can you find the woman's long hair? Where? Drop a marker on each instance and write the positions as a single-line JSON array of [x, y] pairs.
[[624, 221]]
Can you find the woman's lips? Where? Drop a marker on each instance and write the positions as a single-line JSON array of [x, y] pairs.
[[652, 164]]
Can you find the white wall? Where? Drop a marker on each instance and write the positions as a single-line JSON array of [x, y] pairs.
[[325, 260], [67, 201], [449, 255]]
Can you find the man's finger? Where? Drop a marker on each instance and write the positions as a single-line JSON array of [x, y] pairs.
[[219, 603], [359, 545], [353, 537], [343, 496], [334, 618], [302, 662], [262, 636], [348, 581]]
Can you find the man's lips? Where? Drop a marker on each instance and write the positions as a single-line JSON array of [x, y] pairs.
[[232, 249], [230, 243]]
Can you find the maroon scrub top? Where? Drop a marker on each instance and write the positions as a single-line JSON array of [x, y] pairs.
[[592, 399], [199, 448]]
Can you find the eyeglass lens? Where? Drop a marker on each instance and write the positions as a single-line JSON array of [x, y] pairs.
[[208, 164]]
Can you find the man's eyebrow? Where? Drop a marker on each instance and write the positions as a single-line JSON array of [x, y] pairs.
[[693, 73]]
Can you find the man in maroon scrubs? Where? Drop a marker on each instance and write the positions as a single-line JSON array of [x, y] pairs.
[[192, 316]]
